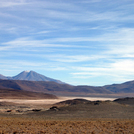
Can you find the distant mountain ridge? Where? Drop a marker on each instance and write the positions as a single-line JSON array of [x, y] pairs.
[[124, 89], [32, 81], [30, 76]]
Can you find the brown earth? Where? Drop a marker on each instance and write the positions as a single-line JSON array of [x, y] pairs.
[[18, 125]]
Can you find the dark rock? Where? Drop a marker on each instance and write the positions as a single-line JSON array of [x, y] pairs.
[[96, 103], [19, 111], [36, 110], [54, 108], [9, 110]]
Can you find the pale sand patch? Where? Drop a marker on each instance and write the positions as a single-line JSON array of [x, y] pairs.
[[52, 101]]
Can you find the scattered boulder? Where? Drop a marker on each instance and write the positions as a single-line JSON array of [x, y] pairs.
[[19, 111], [36, 110], [97, 102], [9, 111], [54, 108]]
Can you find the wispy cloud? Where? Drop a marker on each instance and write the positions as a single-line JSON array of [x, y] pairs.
[[53, 42], [23, 42], [6, 3], [76, 58]]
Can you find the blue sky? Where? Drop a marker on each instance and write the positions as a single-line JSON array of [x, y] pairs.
[[80, 42]]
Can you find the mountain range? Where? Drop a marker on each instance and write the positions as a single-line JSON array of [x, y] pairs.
[[116, 90], [30, 76], [34, 82]]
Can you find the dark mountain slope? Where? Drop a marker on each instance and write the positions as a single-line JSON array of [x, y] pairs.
[[92, 89], [127, 87], [55, 87], [65, 89], [21, 94], [49, 87], [9, 84]]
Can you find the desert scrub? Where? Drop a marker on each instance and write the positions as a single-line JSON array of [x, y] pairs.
[[34, 126]]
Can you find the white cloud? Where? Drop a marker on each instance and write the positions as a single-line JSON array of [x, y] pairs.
[[121, 43], [118, 71], [124, 66]]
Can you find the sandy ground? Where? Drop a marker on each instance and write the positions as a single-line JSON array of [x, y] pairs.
[[52, 101]]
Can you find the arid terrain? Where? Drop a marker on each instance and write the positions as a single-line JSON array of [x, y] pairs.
[[40, 126], [68, 115], [27, 112]]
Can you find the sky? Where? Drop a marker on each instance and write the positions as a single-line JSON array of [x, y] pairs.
[[80, 42]]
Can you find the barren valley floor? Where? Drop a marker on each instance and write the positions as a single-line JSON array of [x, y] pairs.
[[77, 116]]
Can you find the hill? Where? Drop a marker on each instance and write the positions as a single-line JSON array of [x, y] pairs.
[[72, 102], [127, 100], [84, 109]]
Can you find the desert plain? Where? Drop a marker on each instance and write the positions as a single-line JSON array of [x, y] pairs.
[[67, 115]]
